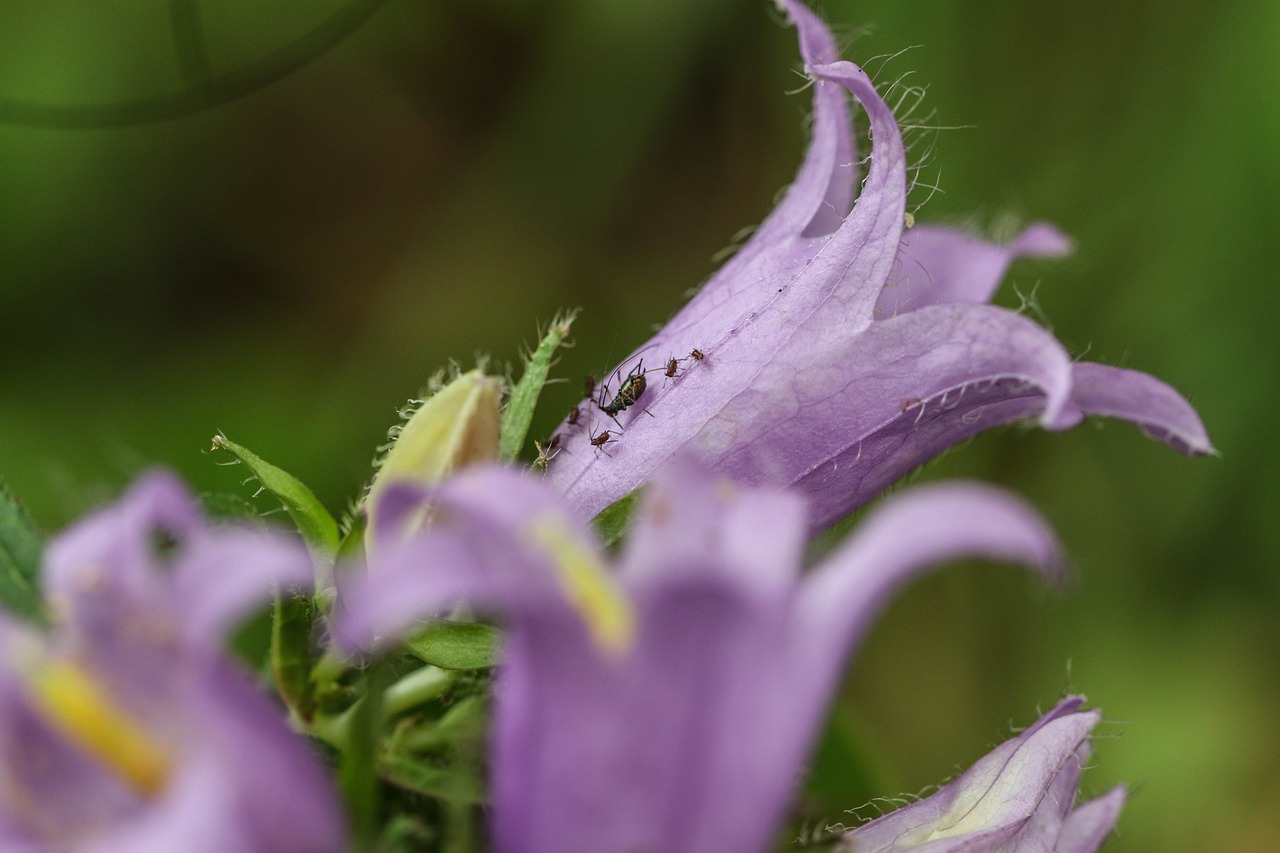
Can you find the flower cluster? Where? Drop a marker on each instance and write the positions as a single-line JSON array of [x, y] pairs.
[[667, 704], [663, 698]]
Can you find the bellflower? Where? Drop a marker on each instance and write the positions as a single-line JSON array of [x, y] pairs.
[[667, 705], [838, 350], [123, 728], [1020, 798]]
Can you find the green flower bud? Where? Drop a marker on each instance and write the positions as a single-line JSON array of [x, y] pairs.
[[456, 427]]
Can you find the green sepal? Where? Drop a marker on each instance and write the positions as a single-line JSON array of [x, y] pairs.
[[311, 518], [292, 654], [20, 549], [614, 521], [518, 414], [457, 645], [440, 758]]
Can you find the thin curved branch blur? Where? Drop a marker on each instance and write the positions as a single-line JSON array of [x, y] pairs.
[[205, 92]]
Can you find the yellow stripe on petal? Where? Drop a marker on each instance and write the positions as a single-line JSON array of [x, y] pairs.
[[588, 586], [73, 704]]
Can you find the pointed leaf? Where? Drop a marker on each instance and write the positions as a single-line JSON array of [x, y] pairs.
[[518, 414], [457, 645], [313, 521]]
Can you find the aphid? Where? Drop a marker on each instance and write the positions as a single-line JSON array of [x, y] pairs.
[[672, 366], [600, 440], [574, 414], [697, 354], [628, 393], [589, 386]]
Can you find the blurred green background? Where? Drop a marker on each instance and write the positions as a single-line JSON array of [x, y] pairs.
[[290, 266]]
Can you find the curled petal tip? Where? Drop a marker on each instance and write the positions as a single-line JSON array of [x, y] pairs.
[[1042, 240]]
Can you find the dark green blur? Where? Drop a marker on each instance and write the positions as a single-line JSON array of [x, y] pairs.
[[288, 268]]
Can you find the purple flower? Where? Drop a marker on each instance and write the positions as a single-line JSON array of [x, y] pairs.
[[124, 728], [667, 705], [839, 350], [1020, 798]]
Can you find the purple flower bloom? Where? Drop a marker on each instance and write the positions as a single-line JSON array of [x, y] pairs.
[[667, 705], [840, 350], [124, 728], [1020, 798]]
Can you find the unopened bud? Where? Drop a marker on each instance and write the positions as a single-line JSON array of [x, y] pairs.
[[456, 427]]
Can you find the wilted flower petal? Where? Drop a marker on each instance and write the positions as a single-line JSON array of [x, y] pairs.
[[836, 352], [667, 705], [1017, 799]]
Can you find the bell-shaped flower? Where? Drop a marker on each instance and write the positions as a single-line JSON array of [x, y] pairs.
[[837, 350], [668, 704], [1019, 798], [123, 727]]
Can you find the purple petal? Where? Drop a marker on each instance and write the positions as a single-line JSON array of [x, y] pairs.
[[882, 403], [988, 807], [226, 574], [117, 545], [198, 813], [65, 791], [244, 782], [692, 522], [423, 579], [751, 319], [285, 797], [674, 748], [908, 534], [1160, 411], [1086, 828], [814, 204], [478, 549], [938, 265]]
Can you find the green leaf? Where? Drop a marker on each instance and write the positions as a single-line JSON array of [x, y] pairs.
[[313, 521], [292, 655], [518, 414], [457, 645], [614, 521], [20, 548]]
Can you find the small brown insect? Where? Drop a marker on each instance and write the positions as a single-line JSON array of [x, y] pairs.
[[697, 354], [601, 439], [672, 366], [574, 414], [589, 386]]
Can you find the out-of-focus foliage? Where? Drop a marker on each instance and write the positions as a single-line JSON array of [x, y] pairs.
[[290, 266]]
